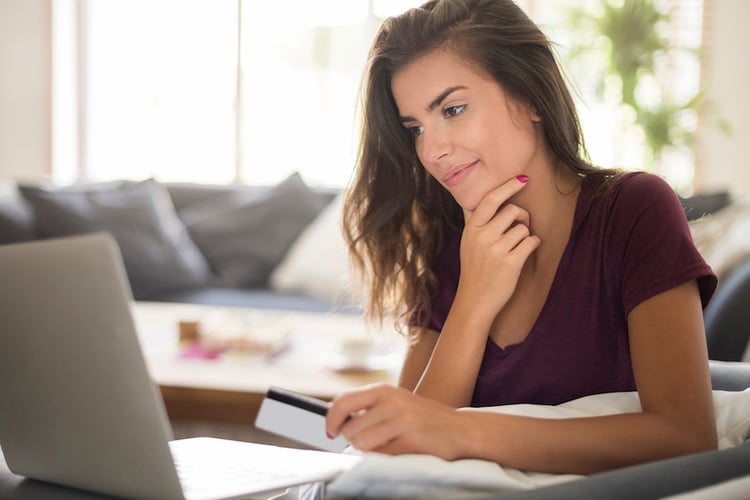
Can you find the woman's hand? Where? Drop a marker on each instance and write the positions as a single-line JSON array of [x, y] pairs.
[[393, 420], [494, 247], [495, 244]]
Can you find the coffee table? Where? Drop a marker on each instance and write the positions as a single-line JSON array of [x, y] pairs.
[[229, 388]]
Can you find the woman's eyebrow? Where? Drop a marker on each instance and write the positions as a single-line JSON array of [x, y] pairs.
[[435, 102]]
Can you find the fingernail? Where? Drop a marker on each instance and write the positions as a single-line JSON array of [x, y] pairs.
[[329, 435], [522, 178]]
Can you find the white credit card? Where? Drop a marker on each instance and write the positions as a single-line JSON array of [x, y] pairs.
[[299, 417]]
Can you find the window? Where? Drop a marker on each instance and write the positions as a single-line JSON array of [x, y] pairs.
[[223, 91], [211, 91], [300, 78]]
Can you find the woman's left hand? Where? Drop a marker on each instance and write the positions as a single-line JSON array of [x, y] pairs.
[[392, 420]]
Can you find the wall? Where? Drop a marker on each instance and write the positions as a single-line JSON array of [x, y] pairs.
[[725, 159], [25, 88]]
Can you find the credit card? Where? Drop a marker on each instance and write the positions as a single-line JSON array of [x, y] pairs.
[[298, 417]]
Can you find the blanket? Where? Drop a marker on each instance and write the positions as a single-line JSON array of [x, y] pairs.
[[383, 476]]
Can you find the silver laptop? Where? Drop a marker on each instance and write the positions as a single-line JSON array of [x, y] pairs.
[[77, 405]]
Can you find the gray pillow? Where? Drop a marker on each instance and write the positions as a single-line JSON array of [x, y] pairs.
[[16, 221], [155, 245], [244, 234]]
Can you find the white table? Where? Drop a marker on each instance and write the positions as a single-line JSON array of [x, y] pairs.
[[230, 388]]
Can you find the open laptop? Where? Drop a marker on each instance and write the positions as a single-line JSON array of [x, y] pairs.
[[77, 404]]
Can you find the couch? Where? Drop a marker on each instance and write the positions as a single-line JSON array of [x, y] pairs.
[[236, 245], [279, 247], [720, 226]]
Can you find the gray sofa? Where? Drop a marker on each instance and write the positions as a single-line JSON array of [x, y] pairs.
[[720, 226], [181, 242], [219, 245]]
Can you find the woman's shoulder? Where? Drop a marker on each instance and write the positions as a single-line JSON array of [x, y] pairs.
[[626, 199], [640, 184], [636, 191]]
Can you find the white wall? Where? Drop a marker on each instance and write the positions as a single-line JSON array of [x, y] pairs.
[[25, 88], [725, 160]]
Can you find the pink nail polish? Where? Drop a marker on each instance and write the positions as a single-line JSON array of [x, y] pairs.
[[522, 178], [329, 435]]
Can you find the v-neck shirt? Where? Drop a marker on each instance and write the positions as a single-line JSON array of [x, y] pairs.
[[627, 244]]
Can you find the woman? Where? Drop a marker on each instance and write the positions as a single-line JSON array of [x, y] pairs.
[[573, 280]]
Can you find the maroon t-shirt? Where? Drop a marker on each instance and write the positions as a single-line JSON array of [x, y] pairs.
[[627, 244]]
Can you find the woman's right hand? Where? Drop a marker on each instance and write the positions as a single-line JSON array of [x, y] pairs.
[[392, 420], [495, 244]]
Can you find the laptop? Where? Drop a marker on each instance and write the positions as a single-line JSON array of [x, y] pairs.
[[77, 404]]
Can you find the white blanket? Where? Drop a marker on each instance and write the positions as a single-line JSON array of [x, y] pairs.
[[384, 476]]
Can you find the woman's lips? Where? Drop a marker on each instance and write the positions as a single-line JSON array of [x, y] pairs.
[[457, 175]]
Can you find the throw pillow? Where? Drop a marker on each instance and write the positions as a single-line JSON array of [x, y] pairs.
[[244, 234], [723, 238], [317, 264], [16, 221], [155, 245]]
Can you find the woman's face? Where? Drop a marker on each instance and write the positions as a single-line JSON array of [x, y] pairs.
[[468, 134]]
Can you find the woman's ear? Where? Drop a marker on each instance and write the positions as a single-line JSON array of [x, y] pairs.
[[525, 107], [533, 114], [520, 109]]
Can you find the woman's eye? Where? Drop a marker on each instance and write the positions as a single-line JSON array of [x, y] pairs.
[[452, 111], [415, 130]]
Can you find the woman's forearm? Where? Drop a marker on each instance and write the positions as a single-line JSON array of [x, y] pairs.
[[582, 445], [451, 372]]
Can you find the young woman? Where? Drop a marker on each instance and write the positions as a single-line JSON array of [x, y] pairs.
[[524, 273]]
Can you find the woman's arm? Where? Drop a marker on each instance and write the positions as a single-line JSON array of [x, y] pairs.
[[495, 237], [421, 344], [670, 364], [668, 351]]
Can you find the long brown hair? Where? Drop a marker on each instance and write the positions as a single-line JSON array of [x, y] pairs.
[[396, 216]]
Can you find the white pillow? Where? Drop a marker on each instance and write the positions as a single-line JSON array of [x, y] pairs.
[[731, 408], [723, 238], [318, 263], [384, 476]]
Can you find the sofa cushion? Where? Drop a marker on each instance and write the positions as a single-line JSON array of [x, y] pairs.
[[245, 234], [703, 204], [155, 245], [185, 194], [318, 264], [729, 375], [16, 221], [723, 237]]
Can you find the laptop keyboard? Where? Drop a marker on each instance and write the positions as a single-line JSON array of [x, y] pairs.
[[200, 476], [216, 468]]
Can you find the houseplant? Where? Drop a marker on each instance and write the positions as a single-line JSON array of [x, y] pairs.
[[622, 48]]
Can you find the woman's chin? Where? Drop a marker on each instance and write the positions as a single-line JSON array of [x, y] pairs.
[[467, 207], [469, 201]]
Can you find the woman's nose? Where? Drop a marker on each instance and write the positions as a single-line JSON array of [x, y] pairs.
[[435, 144]]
